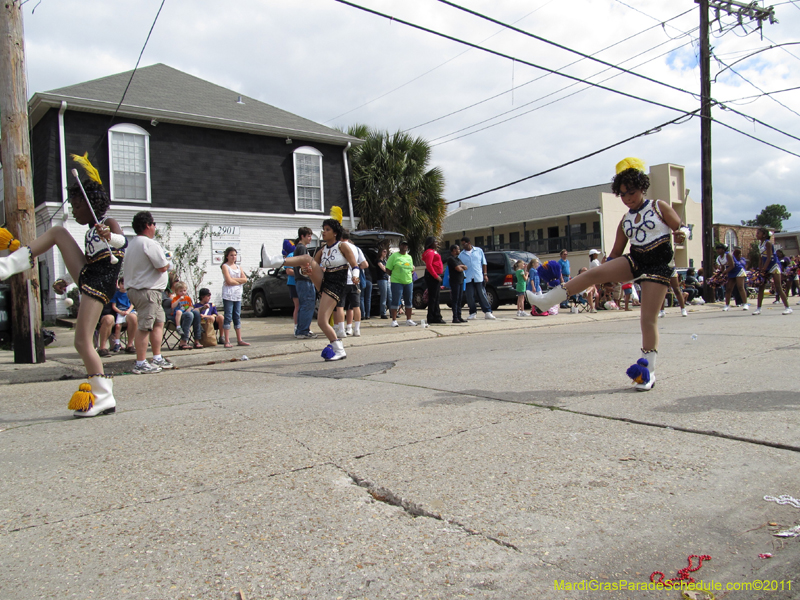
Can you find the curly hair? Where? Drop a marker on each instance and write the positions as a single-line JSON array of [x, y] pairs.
[[335, 226], [95, 192], [632, 179]]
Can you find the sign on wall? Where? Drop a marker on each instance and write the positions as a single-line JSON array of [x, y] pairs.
[[225, 236]]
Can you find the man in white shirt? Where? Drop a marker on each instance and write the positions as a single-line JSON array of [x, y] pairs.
[[146, 265]]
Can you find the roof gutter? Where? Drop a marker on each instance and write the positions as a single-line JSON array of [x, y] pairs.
[[62, 143], [347, 181]]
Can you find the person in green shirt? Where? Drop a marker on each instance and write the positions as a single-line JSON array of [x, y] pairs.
[[520, 281], [400, 267]]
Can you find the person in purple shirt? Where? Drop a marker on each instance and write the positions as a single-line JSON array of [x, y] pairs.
[[207, 309]]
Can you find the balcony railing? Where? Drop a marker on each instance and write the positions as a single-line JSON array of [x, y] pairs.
[[575, 243]]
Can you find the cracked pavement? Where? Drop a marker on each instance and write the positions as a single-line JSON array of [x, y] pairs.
[[485, 466]]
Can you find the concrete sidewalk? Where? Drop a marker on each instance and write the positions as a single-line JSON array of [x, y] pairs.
[[272, 336]]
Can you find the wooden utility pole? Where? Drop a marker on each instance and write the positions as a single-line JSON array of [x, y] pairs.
[[706, 204], [742, 11], [15, 153]]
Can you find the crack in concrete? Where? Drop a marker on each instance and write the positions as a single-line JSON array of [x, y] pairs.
[[386, 496]]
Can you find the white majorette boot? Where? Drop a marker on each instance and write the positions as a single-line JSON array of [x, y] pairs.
[[270, 262], [334, 351], [552, 298], [94, 398], [643, 372], [356, 329], [17, 262]]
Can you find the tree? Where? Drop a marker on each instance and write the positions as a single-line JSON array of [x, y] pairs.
[[187, 265], [772, 216], [394, 188]]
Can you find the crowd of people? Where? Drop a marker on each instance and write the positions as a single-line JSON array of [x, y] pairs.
[[146, 297]]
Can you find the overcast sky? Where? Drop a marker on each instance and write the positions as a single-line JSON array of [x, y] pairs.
[[338, 65]]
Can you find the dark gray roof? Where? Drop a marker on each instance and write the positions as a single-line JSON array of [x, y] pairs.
[[169, 95], [526, 209]]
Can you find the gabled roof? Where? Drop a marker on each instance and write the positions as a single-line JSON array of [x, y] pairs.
[[172, 96], [534, 208]]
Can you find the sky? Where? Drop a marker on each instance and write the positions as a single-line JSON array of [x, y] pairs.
[[490, 119]]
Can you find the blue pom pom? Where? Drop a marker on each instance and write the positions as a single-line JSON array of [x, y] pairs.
[[288, 247], [639, 372], [328, 352]]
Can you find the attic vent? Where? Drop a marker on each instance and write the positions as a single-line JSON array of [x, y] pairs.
[[239, 100]]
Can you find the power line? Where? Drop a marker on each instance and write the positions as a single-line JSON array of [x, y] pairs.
[[791, 89], [651, 131], [536, 100], [503, 55], [754, 120], [562, 47], [433, 69], [734, 71], [755, 138], [628, 38]]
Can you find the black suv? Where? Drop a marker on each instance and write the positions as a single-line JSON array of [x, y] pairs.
[[271, 293], [499, 288]]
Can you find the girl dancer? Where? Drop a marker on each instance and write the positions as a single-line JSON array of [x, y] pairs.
[[735, 274], [328, 271], [647, 226], [94, 271], [769, 266]]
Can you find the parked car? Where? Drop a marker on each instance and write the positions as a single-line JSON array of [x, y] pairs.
[[270, 293], [499, 288]]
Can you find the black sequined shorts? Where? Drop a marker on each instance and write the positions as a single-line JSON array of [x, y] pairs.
[[98, 279], [651, 263], [334, 282]]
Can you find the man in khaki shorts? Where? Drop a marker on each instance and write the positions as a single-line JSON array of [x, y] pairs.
[[146, 265]]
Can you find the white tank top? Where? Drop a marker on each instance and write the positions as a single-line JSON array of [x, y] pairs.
[[232, 292], [332, 257], [650, 228]]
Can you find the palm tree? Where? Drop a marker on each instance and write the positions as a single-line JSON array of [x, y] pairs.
[[393, 188]]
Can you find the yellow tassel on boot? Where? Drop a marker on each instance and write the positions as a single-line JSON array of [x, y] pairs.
[[83, 399], [7, 241]]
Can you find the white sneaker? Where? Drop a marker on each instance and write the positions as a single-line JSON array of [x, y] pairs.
[[357, 329], [726, 308], [661, 314], [410, 322], [489, 317], [395, 324], [683, 314], [757, 312], [145, 369], [349, 330], [745, 307], [163, 363], [788, 311], [472, 316]]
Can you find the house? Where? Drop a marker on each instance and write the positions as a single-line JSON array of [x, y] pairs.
[[191, 152], [576, 220]]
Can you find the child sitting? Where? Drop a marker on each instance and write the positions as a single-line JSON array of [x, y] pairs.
[[180, 303], [207, 309], [122, 307]]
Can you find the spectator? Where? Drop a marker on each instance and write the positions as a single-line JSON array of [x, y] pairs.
[[290, 283], [434, 269], [400, 267], [590, 293], [207, 311], [146, 266], [564, 263], [534, 283], [234, 279], [104, 328], [520, 281], [351, 303], [456, 270], [384, 285], [476, 277], [306, 293], [187, 322], [125, 313], [594, 258]]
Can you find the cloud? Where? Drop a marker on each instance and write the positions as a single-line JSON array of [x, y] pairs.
[[320, 59]]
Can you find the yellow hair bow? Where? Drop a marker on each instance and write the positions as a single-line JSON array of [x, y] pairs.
[[630, 163]]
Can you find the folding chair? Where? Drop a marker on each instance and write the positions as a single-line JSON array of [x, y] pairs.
[[170, 337], [580, 302]]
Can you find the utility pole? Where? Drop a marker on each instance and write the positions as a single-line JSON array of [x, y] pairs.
[[742, 11], [15, 150]]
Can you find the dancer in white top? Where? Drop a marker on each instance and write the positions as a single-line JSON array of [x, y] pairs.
[[648, 226]]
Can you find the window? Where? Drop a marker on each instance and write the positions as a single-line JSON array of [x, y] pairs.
[[308, 192], [478, 241], [129, 163], [730, 239]]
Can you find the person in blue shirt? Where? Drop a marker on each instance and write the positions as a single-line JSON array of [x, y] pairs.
[[475, 277], [125, 313], [564, 265]]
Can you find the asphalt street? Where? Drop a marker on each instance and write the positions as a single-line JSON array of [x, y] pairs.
[[434, 465]]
